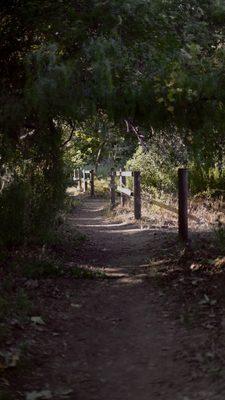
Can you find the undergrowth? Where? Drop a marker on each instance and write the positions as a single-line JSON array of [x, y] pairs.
[[102, 187], [14, 305], [45, 258], [52, 268]]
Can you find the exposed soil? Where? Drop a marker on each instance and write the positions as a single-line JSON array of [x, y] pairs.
[[124, 337]]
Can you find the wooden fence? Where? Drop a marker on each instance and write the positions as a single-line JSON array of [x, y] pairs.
[[125, 191], [118, 184], [138, 197], [84, 179]]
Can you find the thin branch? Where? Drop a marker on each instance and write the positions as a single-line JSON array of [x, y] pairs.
[[138, 134], [69, 139]]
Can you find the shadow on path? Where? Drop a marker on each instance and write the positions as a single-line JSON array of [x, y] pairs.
[[117, 339], [129, 343], [123, 246]]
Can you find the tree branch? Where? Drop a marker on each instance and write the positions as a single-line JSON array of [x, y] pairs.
[[69, 139]]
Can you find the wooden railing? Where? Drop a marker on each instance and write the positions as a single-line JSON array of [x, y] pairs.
[[84, 179], [118, 184], [125, 191]]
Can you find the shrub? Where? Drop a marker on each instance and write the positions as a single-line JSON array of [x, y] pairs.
[[156, 174], [159, 172], [29, 205], [13, 207]]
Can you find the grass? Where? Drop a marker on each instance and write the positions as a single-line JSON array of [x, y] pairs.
[[17, 305], [47, 268], [23, 305], [102, 187], [63, 236], [41, 268], [219, 232], [85, 273]]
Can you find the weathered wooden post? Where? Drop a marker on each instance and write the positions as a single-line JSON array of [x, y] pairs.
[[79, 180], [183, 203], [137, 194], [112, 188], [123, 182], [85, 185], [92, 182]]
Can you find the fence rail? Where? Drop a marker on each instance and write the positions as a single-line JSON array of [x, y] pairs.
[[124, 173], [125, 191], [147, 198], [86, 178], [181, 211]]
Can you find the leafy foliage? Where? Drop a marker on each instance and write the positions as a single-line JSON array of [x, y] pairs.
[[158, 64]]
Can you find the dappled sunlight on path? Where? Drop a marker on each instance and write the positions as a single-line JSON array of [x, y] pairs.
[[134, 346], [122, 245], [121, 334]]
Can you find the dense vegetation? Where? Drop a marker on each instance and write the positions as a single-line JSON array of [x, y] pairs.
[[83, 81]]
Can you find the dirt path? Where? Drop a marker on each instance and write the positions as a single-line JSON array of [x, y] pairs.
[[136, 348], [119, 338], [121, 247]]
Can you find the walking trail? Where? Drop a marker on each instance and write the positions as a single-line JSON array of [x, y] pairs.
[[135, 347], [119, 338]]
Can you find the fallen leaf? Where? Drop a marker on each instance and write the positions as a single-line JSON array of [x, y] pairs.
[[47, 394], [75, 305], [37, 320], [63, 393], [205, 300], [42, 395], [170, 109]]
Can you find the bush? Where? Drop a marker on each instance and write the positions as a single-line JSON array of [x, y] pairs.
[[156, 174], [159, 173], [28, 207], [205, 179], [13, 206]]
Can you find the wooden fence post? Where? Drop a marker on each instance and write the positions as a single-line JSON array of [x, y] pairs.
[[85, 185], [92, 182], [183, 203], [123, 182], [112, 188], [137, 194], [80, 180]]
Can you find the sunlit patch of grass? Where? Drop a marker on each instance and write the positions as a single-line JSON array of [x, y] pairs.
[[39, 269], [85, 273], [71, 202], [102, 187]]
